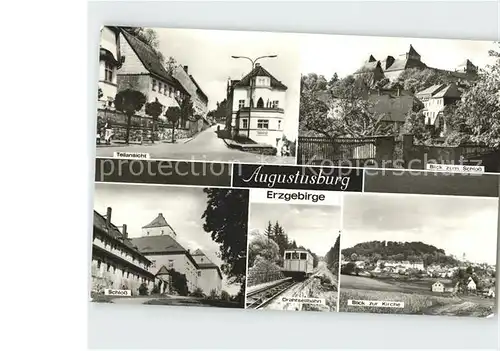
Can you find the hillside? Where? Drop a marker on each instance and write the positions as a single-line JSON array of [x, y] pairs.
[[398, 251]]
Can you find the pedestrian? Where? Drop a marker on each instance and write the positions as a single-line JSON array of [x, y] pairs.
[[108, 132]]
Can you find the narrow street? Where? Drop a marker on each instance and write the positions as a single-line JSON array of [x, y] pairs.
[[205, 146]]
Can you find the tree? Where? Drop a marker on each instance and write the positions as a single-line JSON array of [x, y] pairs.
[[100, 94], [154, 109], [349, 268], [416, 79], [269, 230], [415, 125], [179, 282], [262, 246], [314, 82], [173, 114], [226, 219], [143, 289], [170, 65], [129, 101]]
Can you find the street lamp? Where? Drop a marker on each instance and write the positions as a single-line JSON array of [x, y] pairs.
[[253, 61]]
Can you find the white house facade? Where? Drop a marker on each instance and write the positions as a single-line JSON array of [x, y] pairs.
[[256, 104], [110, 61]]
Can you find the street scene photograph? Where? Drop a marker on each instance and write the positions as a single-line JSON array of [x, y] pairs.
[[165, 245], [389, 102], [188, 94], [293, 257], [419, 254]]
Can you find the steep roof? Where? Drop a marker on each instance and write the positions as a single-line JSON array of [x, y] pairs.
[[114, 232], [451, 90], [198, 252], [260, 71], [198, 87], [412, 51], [149, 58], [159, 244], [433, 89], [368, 67]]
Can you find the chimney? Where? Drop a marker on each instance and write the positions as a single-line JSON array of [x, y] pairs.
[[124, 231], [257, 64], [108, 218], [186, 69], [160, 214]]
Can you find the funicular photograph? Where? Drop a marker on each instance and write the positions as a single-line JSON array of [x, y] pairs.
[[293, 257], [146, 249], [198, 94], [389, 102]]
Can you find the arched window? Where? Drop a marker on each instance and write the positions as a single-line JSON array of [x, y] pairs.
[[260, 103]]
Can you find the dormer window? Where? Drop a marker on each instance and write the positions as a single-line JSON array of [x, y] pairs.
[[262, 81]]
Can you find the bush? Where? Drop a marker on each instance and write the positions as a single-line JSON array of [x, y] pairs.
[[224, 295], [155, 290], [143, 289], [213, 295]]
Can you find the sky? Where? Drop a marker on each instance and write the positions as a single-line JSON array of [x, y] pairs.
[[182, 207], [344, 54], [312, 226], [455, 224], [207, 53]]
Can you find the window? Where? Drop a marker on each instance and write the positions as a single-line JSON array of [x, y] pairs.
[[162, 232], [244, 123], [199, 273], [153, 263], [170, 263], [241, 104], [108, 72], [263, 123], [147, 232], [303, 256], [165, 91], [275, 103], [160, 87], [279, 125], [201, 259], [108, 267], [98, 264], [154, 84], [170, 90], [295, 255], [288, 255]]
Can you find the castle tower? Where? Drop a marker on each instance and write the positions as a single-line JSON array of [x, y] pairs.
[[158, 226]]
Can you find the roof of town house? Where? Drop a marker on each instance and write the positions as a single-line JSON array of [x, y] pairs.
[[150, 59], [198, 87], [114, 232], [161, 245], [433, 89], [451, 91], [368, 67], [259, 71], [446, 283]]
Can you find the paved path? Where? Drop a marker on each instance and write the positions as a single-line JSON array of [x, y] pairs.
[[206, 146]]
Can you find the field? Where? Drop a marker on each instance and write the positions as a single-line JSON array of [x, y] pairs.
[[416, 295]]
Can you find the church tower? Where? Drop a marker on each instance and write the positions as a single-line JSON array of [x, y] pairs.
[[158, 226]]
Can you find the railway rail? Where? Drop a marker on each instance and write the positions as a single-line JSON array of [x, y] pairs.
[[262, 297]]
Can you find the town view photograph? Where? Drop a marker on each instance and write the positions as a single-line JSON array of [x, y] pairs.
[[419, 254], [399, 102], [198, 94], [164, 245], [293, 257]]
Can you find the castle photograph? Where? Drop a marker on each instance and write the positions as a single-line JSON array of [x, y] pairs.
[[198, 94], [425, 254], [169, 245], [399, 102]]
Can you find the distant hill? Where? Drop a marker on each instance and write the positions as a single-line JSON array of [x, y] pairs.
[[415, 251]]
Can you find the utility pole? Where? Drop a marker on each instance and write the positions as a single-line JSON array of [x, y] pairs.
[[253, 62]]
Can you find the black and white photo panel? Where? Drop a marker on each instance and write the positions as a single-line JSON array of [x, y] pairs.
[[186, 94], [293, 250], [403, 103], [169, 245]]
